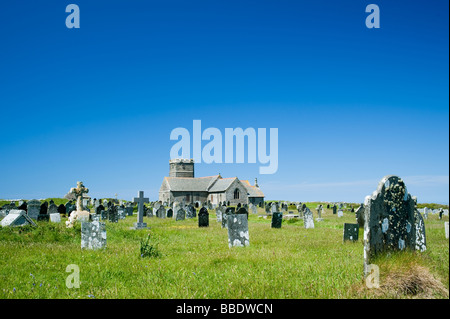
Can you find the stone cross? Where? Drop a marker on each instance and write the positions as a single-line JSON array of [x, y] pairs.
[[140, 201], [78, 192]]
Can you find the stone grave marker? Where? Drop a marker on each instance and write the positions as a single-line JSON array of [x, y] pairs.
[[161, 212], [170, 213], [34, 207], [180, 215], [219, 212], [277, 219], [308, 218], [191, 212], [93, 235], [203, 217], [238, 234], [392, 221], [340, 213], [334, 209], [17, 217], [140, 200], [351, 232], [242, 210], [446, 229], [359, 215], [229, 211]]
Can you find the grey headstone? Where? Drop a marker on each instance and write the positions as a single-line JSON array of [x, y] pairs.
[[359, 214], [308, 218], [340, 213], [446, 229], [238, 234], [17, 218], [93, 235], [180, 215], [34, 208], [190, 212], [129, 211], [391, 220], [161, 212], [55, 218], [219, 212]]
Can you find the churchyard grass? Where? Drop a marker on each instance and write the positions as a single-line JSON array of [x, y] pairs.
[[290, 263]]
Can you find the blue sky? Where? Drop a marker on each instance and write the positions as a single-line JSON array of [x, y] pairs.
[[98, 103]]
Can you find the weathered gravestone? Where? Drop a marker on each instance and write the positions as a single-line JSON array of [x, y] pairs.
[[170, 213], [121, 212], [351, 232], [228, 212], [191, 212], [17, 217], [93, 235], [242, 210], [334, 209], [238, 235], [340, 213], [253, 209], [219, 212], [161, 212], [277, 220], [391, 220], [359, 215], [34, 207], [180, 214], [43, 213], [446, 229], [308, 218], [55, 217], [113, 214], [203, 217], [62, 209]]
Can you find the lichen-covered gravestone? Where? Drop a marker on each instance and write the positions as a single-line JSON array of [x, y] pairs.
[[392, 221], [308, 218], [238, 235], [203, 217], [229, 211], [191, 212], [277, 220], [351, 232], [93, 235], [180, 214], [219, 212]]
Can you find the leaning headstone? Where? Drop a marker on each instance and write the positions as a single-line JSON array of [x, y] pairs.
[[203, 217], [93, 235], [238, 235], [16, 217], [391, 220], [308, 218], [351, 232], [277, 220]]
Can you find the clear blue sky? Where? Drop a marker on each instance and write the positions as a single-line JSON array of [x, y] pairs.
[[351, 104]]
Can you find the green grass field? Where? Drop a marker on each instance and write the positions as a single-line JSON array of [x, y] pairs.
[[288, 263]]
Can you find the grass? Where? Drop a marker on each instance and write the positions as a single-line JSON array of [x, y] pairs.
[[192, 262]]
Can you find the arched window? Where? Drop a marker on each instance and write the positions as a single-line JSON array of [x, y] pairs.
[[236, 193]]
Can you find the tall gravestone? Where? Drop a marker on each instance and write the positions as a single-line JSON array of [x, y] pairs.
[[140, 200], [219, 212], [229, 211], [392, 221], [277, 220], [34, 207], [170, 213], [359, 215], [238, 234], [180, 215], [351, 232], [308, 218], [203, 217]]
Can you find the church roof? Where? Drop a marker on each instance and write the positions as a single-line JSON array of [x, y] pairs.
[[190, 184], [222, 184], [253, 191]]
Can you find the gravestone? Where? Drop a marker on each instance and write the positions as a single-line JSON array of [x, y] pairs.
[[180, 215], [277, 220], [319, 213], [219, 212], [359, 214], [161, 212], [425, 212], [140, 200], [99, 209], [170, 213], [351, 232], [55, 217], [308, 218], [121, 212], [34, 207], [238, 235], [113, 214], [129, 210], [69, 208], [191, 212], [242, 210], [23, 206], [43, 213], [334, 209], [93, 235], [15, 218], [52, 209], [62, 209], [104, 214], [274, 208], [446, 229], [229, 211], [340, 213], [203, 217], [392, 221]]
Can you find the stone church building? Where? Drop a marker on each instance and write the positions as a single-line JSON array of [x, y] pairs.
[[182, 186]]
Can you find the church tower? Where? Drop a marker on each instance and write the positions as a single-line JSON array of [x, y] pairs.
[[181, 168]]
